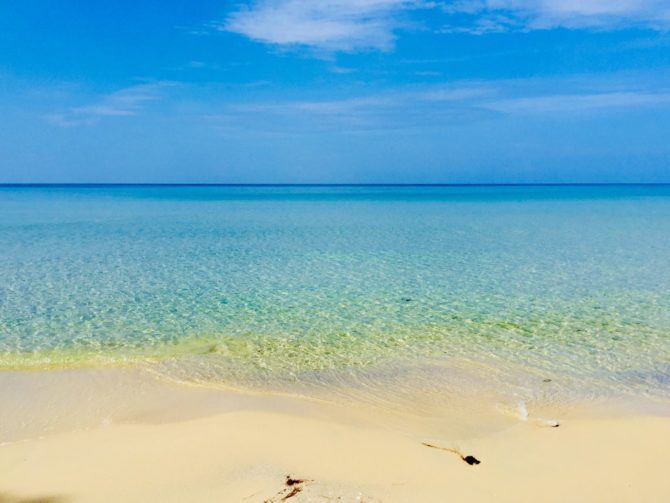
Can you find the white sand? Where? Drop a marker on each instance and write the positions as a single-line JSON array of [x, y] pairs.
[[244, 455]]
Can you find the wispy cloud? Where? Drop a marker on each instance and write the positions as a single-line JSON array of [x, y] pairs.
[[325, 24], [372, 103], [383, 111], [486, 16], [570, 103], [351, 25], [440, 106], [122, 103]]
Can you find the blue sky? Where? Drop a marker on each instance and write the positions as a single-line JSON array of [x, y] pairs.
[[282, 91]]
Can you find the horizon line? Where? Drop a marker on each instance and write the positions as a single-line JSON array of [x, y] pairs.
[[160, 184]]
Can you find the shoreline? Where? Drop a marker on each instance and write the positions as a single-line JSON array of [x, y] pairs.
[[213, 445], [457, 400]]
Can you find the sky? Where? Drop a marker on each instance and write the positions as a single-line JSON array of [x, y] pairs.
[[334, 91]]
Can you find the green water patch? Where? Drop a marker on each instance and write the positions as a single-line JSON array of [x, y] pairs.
[[599, 346]]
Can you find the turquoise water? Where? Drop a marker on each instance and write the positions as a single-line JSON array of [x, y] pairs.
[[268, 286]]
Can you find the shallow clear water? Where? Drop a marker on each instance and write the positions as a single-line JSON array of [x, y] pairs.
[[278, 286]]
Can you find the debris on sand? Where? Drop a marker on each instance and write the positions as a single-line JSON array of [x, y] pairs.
[[471, 460], [293, 486]]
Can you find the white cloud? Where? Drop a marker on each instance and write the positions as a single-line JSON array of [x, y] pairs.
[[325, 24], [485, 16], [349, 25]]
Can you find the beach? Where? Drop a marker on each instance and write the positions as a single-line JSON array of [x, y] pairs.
[[379, 344], [347, 251], [329, 453]]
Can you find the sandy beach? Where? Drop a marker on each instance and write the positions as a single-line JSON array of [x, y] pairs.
[[335, 343], [270, 448], [348, 251]]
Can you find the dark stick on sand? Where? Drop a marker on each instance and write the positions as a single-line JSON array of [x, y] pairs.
[[471, 460]]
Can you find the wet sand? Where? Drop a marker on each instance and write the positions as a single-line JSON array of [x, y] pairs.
[[245, 448]]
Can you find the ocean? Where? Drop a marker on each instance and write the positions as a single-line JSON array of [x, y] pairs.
[[282, 288]]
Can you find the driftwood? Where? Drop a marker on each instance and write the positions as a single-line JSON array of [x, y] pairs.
[[471, 460]]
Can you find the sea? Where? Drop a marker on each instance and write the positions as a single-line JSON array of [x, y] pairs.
[[537, 292]]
